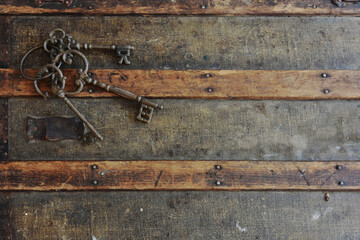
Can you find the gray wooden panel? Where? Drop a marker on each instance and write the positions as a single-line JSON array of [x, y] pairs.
[[173, 42], [183, 215], [196, 130]]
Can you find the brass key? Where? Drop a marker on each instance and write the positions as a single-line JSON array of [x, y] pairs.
[[146, 108]]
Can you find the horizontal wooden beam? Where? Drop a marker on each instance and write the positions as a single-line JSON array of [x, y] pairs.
[[179, 175], [209, 84], [217, 7]]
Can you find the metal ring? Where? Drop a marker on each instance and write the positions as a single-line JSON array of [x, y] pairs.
[[52, 33], [61, 75], [22, 64]]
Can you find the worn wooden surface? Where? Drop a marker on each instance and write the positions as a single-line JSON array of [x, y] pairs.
[[219, 7], [182, 215], [4, 136], [178, 175], [196, 130], [210, 84], [4, 41], [250, 43]]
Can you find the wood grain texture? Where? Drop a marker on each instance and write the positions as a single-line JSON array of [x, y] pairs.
[[184, 215], [179, 43], [196, 130], [4, 41], [4, 134], [218, 7], [178, 175], [209, 84]]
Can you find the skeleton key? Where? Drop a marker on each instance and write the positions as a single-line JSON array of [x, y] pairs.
[[64, 41], [57, 88], [146, 108], [123, 52]]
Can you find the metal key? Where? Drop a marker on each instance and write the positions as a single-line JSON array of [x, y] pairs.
[[123, 52], [57, 88], [146, 108]]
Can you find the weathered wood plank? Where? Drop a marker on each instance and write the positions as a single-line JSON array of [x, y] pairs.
[[4, 134], [218, 7], [210, 84], [196, 130], [184, 215], [249, 43], [5, 222], [178, 175], [4, 41]]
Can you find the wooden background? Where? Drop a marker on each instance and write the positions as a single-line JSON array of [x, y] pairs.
[[253, 143]]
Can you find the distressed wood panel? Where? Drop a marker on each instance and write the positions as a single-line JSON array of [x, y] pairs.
[[178, 175], [4, 135], [210, 84], [4, 41], [250, 43], [219, 7], [184, 215], [196, 130]]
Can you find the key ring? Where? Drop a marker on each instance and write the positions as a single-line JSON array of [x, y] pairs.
[[55, 88], [22, 65]]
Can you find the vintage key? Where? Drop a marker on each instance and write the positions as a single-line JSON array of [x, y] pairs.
[[57, 88], [123, 52], [61, 40], [147, 107]]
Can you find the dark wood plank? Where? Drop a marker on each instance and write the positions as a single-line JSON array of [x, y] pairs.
[[5, 222], [4, 41], [184, 215], [218, 7], [178, 175], [4, 134], [249, 43], [196, 130], [210, 84]]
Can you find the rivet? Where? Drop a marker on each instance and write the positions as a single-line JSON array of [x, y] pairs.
[[5, 153], [218, 167], [218, 183], [94, 166], [341, 183], [5, 141], [203, 7], [326, 91], [339, 167], [209, 89], [327, 197], [90, 90], [95, 182], [324, 75]]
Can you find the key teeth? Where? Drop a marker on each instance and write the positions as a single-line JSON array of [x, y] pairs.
[[144, 116]]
